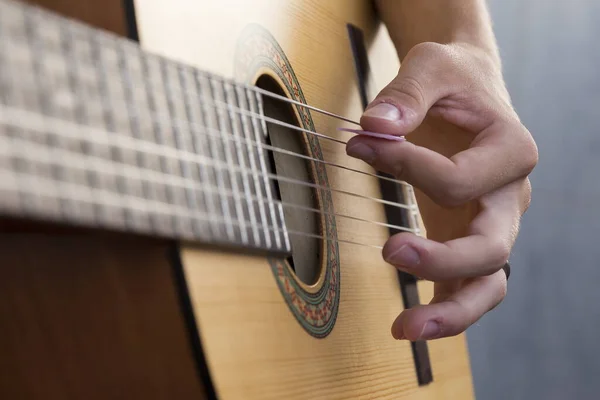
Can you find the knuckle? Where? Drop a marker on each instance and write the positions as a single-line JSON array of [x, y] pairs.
[[500, 251], [410, 89], [524, 144], [399, 171], [413, 88], [453, 194], [424, 62], [439, 58], [428, 49], [530, 155]]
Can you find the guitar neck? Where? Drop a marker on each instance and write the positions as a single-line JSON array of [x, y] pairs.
[[96, 132]]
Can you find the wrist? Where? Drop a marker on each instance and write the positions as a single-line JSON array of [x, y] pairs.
[[464, 22], [488, 58]]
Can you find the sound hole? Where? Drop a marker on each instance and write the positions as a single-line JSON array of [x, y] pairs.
[[306, 251]]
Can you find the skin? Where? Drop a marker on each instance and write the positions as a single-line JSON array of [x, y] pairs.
[[467, 154]]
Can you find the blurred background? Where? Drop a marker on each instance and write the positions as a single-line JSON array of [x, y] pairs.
[[541, 342]]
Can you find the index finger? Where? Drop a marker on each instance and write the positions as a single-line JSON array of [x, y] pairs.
[[495, 158]]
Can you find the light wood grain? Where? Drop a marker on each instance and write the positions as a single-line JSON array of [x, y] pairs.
[[254, 346]]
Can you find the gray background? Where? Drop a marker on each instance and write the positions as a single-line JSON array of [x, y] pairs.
[[542, 342]]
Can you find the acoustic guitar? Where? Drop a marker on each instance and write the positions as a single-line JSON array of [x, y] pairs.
[[179, 217]]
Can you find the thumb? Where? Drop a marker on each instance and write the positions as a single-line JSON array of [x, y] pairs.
[[403, 104]]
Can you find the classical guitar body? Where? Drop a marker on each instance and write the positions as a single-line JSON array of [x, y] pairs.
[[295, 302]]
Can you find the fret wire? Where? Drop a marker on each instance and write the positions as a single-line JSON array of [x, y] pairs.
[[10, 21], [101, 45], [190, 138], [214, 154], [265, 188], [115, 111], [93, 112], [150, 89], [222, 126], [242, 154], [192, 113], [256, 107], [144, 126], [105, 110], [80, 116], [190, 145], [135, 128], [254, 156], [76, 160], [178, 136], [281, 216], [44, 104]]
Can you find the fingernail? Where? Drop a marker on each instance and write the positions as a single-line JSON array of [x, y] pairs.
[[383, 111], [398, 328], [398, 335], [431, 330], [406, 256], [362, 151], [398, 332]]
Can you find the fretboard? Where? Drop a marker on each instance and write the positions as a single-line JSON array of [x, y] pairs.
[[96, 132]]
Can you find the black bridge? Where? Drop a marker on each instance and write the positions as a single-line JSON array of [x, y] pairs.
[[396, 216]]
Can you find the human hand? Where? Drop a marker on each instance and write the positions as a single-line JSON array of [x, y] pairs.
[[468, 157]]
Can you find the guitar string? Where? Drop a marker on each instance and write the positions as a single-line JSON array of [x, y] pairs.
[[64, 155], [35, 152], [288, 100], [40, 186], [42, 123], [127, 44], [219, 134], [221, 105], [226, 106], [216, 104], [264, 92]]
